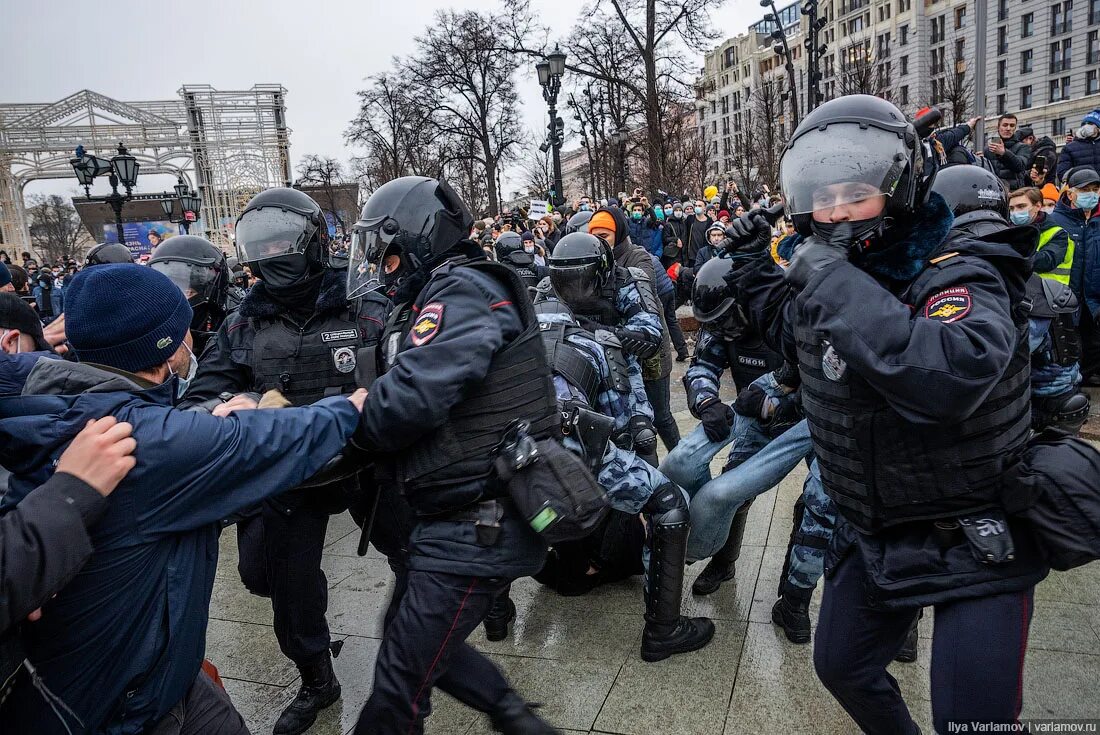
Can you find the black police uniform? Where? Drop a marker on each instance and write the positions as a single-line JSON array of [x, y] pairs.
[[261, 347], [462, 360]]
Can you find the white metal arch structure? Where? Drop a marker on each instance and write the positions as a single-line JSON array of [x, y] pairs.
[[235, 142]]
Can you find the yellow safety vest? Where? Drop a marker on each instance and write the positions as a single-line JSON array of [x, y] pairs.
[[1062, 270]]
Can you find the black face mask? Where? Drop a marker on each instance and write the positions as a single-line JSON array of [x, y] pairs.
[[284, 272], [864, 233]]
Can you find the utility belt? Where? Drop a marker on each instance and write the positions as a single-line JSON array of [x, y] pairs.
[[987, 534], [485, 516]]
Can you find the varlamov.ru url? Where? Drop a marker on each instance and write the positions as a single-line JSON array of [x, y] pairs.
[[1026, 726]]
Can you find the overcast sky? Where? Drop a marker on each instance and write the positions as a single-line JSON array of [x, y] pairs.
[[320, 50]]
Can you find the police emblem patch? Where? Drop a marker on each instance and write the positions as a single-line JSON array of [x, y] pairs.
[[832, 364], [343, 358], [427, 324], [949, 305]]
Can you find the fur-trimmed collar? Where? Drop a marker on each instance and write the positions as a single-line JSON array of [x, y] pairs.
[[332, 296], [909, 245]]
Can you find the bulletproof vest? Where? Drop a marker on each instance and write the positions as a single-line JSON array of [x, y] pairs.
[[526, 272], [603, 310], [749, 358], [882, 469], [439, 473], [567, 360], [310, 362]]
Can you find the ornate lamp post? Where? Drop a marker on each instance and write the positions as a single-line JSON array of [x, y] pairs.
[[121, 169], [190, 204], [550, 71]]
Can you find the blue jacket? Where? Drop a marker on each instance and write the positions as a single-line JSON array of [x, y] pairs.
[[123, 642], [646, 234], [661, 280], [14, 370], [1084, 277], [1079, 152]]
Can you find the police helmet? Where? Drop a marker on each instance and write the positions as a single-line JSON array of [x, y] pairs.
[[507, 244], [200, 271], [973, 194], [848, 149], [415, 218], [579, 222], [234, 264], [279, 222], [579, 267], [109, 252]]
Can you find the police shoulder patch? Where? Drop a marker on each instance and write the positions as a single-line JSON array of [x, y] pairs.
[[949, 305], [427, 324]]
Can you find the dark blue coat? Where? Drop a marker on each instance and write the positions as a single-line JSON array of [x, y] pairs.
[[1085, 274], [123, 642], [1079, 152], [645, 233], [14, 370]]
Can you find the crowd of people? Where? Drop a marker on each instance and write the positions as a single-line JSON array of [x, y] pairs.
[[911, 318]]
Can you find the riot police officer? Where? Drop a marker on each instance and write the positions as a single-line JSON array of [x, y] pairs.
[[200, 271], [295, 332], [238, 285], [980, 205], [914, 363], [461, 359], [109, 252], [583, 274], [579, 222], [509, 250]]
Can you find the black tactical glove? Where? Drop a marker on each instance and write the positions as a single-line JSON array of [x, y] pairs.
[[749, 233], [810, 256], [638, 344], [717, 419], [750, 402]]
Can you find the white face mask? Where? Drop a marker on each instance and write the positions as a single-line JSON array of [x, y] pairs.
[[192, 368]]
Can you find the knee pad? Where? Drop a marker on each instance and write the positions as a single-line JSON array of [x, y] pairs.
[[644, 435], [1066, 414], [667, 507]]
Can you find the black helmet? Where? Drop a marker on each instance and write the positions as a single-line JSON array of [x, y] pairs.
[[233, 263], [850, 148], [413, 217], [973, 194], [507, 244], [282, 221], [579, 222], [713, 304], [579, 267], [109, 252], [199, 269]]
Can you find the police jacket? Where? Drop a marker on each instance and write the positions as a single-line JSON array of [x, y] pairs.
[[461, 362], [1085, 273], [747, 358], [122, 643]]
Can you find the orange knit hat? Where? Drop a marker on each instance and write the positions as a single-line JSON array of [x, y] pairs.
[[603, 219], [1050, 191]]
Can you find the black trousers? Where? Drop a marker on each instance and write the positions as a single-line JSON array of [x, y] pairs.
[[424, 645], [668, 301], [658, 393], [204, 710], [1090, 344], [978, 648]]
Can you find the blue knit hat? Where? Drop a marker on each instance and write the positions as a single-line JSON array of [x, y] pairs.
[[125, 316], [1093, 117]]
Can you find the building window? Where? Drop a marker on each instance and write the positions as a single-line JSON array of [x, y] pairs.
[[1027, 25], [960, 51], [1059, 89], [1002, 74], [904, 5], [938, 29], [960, 17], [1091, 85], [938, 65], [884, 45], [1001, 104], [1061, 17], [1027, 61], [1025, 97], [903, 35], [1060, 55], [1094, 12], [1002, 9], [904, 94], [904, 65], [1093, 48], [1002, 40], [1058, 127]]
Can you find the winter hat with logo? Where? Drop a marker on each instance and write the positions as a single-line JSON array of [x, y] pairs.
[[125, 316], [1093, 117]]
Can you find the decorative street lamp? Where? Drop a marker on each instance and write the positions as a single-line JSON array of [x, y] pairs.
[[550, 71], [121, 169], [190, 204], [782, 49]]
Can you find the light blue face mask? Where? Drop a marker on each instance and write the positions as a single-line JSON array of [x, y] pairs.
[[1020, 217], [1087, 200], [184, 383]]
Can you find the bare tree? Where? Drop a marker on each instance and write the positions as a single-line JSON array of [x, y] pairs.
[[472, 91], [769, 137], [536, 167], [325, 175], [861, 74], [957, 91], [55, 228], [745, 150]]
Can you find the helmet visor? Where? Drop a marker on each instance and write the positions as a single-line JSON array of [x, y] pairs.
[[843, 164], [575, 284], [192, 280], [270, 232], [368, 245]]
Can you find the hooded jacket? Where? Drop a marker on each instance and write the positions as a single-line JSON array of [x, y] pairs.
[[1044, 146], [1084, 277], [123, 642], [1079, 152], [629, 255]]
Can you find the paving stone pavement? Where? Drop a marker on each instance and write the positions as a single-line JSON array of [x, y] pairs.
[[579, 655]]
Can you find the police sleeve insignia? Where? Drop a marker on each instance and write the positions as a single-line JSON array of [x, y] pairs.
[[428, 324], [949, 305]]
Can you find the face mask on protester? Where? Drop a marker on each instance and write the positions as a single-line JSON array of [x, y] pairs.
[[182, 382], [1020, 217], [698, 210], [636, 216], [1087, 200]]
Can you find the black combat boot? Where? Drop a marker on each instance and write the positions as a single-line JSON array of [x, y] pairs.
[[721, 566], [908, 652], [319, 690], [516, 717], [499, 616], [791, 612], [667, 632]]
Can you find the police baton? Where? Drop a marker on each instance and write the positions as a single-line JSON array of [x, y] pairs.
[[366, 372]]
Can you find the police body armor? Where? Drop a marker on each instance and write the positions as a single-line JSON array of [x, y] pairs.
[[883, 470], [440, 473], [524, 266], [1053, 300], [749, 358]]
